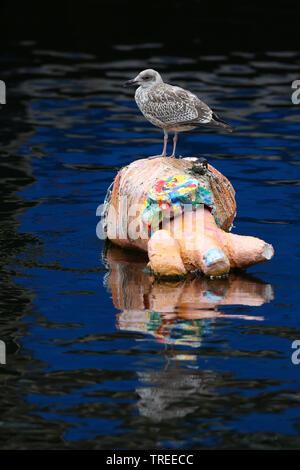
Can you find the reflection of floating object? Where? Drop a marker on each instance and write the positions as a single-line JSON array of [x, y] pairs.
[[204, 242], [185, 357], [167, 330], [176, 312]]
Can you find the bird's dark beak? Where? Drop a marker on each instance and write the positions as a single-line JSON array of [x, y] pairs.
[[132, 82]]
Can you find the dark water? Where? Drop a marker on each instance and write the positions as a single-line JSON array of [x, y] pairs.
[[97, 355]]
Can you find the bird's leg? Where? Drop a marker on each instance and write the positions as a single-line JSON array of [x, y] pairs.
[[174, 144], [164, 153]]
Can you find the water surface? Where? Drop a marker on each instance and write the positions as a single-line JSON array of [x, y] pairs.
[[98, 356]]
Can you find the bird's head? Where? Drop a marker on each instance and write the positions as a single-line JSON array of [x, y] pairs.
[[146, 79]]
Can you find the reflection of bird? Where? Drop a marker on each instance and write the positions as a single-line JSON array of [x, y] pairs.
[[172, 108], [174, 392]]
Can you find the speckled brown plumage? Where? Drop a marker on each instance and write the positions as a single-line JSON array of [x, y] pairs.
[[172, 108]]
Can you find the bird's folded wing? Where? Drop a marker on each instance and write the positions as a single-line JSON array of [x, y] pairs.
[[174, 105]]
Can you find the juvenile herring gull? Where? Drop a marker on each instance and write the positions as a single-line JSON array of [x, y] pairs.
[[172, 108]]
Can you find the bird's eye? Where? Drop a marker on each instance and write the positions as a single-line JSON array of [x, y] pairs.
[[147, 77]]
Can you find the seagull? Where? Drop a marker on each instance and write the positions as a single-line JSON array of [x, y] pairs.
[[172, 108]]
